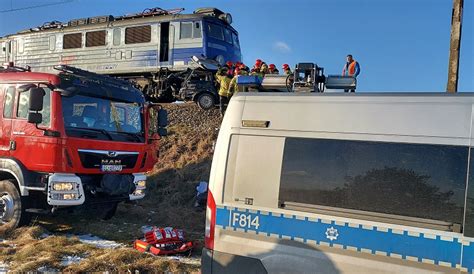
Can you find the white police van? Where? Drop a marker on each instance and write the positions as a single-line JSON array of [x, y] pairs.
[[342, 183]]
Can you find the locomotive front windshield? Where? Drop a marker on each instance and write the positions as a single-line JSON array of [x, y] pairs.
[[98, 118]]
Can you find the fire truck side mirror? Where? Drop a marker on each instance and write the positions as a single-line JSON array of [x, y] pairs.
[[35, 118], [36, 99]]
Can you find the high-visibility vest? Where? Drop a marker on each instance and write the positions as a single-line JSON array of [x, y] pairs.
[[224, 83], [350, 69]]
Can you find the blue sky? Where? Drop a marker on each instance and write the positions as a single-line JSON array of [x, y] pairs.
[[401, 45]]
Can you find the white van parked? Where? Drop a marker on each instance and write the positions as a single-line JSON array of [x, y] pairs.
[[342, 183]]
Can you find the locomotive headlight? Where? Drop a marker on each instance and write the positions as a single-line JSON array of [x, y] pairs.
[[60, 186], [220, 59], [228, 18]]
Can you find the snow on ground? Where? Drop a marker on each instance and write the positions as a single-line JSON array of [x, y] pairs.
[[47, 269], [96, 241], [3, 268], [69, 260], [186, 260]]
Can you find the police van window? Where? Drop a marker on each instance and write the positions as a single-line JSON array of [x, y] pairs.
[[136, 35], [8, 103], [186, 30], [117, 34], [52, 42], [95, 38], [197, 30], [72, 41], [469, 223], [414, 180], [228, 36], [23, 104], [216, 32], [235, 39]]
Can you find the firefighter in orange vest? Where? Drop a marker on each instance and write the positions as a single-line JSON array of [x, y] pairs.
[[351, 68]]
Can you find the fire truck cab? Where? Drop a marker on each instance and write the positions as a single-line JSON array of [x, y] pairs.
[[75, 138]]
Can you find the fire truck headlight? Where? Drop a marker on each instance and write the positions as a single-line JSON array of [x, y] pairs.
[[141, 184], [62, 196], [63, 186], [139, 192]]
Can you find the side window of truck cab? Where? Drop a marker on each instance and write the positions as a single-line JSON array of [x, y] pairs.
[[23, 104], [8, 102]]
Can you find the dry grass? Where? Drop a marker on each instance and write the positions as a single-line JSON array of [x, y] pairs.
[[185, 159], [30, 253]]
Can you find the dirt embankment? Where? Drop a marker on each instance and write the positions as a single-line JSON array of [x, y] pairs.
[[185, 160]]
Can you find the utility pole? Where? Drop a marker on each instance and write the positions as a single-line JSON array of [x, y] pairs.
[[455, 44]]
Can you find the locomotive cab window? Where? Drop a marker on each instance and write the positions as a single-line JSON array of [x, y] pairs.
[[136, 35], [72, 41], [216, 31], [197, 30], [95, 38], [391, 182], [228, 36], [186, 30], [235, 39]]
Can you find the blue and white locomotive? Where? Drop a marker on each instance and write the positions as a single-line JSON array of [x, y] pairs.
[[145, 47]]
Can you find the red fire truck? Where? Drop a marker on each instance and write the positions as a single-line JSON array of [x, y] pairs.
[[72, 139]]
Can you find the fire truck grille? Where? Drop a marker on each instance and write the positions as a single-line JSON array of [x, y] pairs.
[[98, 158]]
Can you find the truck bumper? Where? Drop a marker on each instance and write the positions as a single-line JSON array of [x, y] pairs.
[[65, 189]]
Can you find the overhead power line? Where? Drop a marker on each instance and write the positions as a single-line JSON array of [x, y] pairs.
[[34, 6]]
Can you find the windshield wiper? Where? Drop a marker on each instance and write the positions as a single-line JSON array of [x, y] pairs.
[[135, 135], [103, 131]]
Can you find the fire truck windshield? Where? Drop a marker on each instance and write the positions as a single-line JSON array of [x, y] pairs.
[[98, 118]]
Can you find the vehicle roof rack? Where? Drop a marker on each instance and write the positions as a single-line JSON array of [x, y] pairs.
[[90, 76]]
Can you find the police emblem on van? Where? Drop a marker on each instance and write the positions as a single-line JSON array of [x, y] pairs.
[[332, 234]]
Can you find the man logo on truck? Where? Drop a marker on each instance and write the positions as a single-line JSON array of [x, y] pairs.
[[111, 162]]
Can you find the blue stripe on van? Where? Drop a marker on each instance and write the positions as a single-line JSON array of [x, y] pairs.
[[406, 245]]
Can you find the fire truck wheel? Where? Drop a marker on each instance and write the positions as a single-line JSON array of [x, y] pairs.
[[109, 211], [205, 101], [12, 207]]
